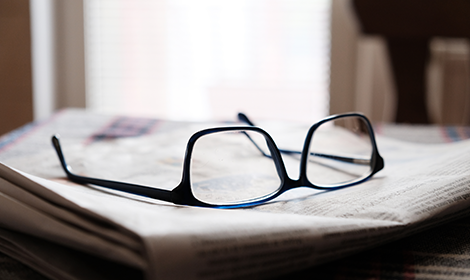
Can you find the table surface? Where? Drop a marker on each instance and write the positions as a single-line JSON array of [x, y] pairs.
[[439, 253]]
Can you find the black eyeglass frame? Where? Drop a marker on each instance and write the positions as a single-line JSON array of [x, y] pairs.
[[183, 195]]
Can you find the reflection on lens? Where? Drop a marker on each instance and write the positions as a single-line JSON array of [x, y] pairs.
[[340, 152], [227, 168]]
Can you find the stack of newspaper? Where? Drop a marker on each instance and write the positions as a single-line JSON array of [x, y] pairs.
[[71, 231]]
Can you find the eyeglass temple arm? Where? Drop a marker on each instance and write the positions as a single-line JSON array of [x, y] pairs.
[[340, 158], [159, 194], [242, 117]]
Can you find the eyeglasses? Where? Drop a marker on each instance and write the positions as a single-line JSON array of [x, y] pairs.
[[239, 166]]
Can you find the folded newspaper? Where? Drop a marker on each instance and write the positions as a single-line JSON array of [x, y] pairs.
[[70, 231]]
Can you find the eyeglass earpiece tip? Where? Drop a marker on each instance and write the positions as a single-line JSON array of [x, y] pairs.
[[242, 117], [55, 140]]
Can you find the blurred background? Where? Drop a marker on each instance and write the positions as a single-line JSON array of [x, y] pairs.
[[296, 60]]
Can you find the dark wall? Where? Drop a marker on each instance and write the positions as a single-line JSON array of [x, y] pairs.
[[16, 103]]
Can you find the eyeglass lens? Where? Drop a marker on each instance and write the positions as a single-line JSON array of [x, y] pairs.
[[227, 168], [340, 152]]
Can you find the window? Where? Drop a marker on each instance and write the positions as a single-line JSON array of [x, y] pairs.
[[208, 59]]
